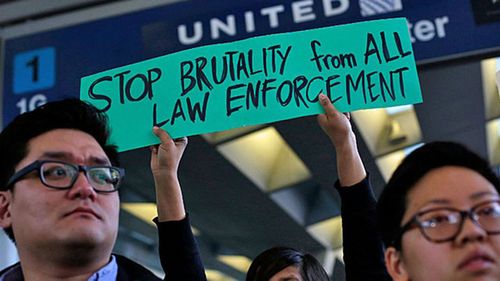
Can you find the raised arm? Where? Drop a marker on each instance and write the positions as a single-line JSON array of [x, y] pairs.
[[165, 159], [179, 254], [337, 127], [363, 247]]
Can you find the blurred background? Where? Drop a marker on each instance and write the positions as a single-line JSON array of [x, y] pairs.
[[256, 187]]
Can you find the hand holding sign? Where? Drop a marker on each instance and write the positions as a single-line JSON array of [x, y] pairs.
[[335, 124], [337, 127], [257, 80], [165, 159]]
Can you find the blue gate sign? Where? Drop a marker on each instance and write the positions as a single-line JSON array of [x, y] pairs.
[[34, 70]]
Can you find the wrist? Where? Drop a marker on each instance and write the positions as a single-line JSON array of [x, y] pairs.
[[346, 143], [165, 174], [166, 179]]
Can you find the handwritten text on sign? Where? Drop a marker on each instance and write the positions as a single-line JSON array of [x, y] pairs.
[[257, 80]]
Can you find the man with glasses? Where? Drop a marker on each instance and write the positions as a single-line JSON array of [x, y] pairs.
[[61, 175], [59, 201]]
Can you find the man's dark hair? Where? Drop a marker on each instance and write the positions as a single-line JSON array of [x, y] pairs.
[[394, 198], [64, 114], [274, 260]]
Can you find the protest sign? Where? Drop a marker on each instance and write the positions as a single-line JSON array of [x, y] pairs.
[[257, 80]]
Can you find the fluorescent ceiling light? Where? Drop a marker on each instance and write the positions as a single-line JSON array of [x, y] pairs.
[[398, 109], [215, 275], [328, 232], [497, 60], [218, 137], [240, 263], [388, 163], [147, 212], [266, 159], [144, 211], [493, 141]]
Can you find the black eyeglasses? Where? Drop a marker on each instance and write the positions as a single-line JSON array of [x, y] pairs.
[[62, 175], [444, 224]]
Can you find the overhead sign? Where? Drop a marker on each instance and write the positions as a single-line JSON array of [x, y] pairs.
[[48, 65], [257, 80]]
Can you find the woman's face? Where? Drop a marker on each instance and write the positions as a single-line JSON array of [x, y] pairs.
[[471, 255]]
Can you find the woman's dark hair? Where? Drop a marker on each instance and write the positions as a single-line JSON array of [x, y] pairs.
[[274, 260], [394, 198], [64, 114]]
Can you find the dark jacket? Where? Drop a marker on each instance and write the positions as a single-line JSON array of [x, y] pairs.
[[128, 270], [363, 246]]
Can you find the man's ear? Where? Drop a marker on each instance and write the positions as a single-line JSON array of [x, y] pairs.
[[5, 199], [395, 265]]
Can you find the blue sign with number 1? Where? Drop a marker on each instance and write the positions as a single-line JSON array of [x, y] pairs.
[[34, 70]]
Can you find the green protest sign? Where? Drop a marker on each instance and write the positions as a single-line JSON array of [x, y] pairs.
[[257, 80]]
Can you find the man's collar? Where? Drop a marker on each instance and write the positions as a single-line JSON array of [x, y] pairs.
[[106, 273]]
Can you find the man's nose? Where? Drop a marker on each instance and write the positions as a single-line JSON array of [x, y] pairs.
[[82, 188]]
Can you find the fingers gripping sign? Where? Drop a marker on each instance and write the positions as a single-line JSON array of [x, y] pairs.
[[334, 123], [167, 155]]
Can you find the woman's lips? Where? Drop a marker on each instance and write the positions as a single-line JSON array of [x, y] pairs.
[[476, 261]]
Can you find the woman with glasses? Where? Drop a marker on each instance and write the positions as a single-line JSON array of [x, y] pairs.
[[439, 216]]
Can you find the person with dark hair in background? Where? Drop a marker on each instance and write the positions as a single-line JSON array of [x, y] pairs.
[[59, 201], [439, 216], [286, 264]]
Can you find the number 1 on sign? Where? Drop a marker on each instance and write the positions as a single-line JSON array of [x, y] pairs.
[[34, 70], [34, 64]]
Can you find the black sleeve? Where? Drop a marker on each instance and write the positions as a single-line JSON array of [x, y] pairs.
[[179, 253], [363, 247]]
